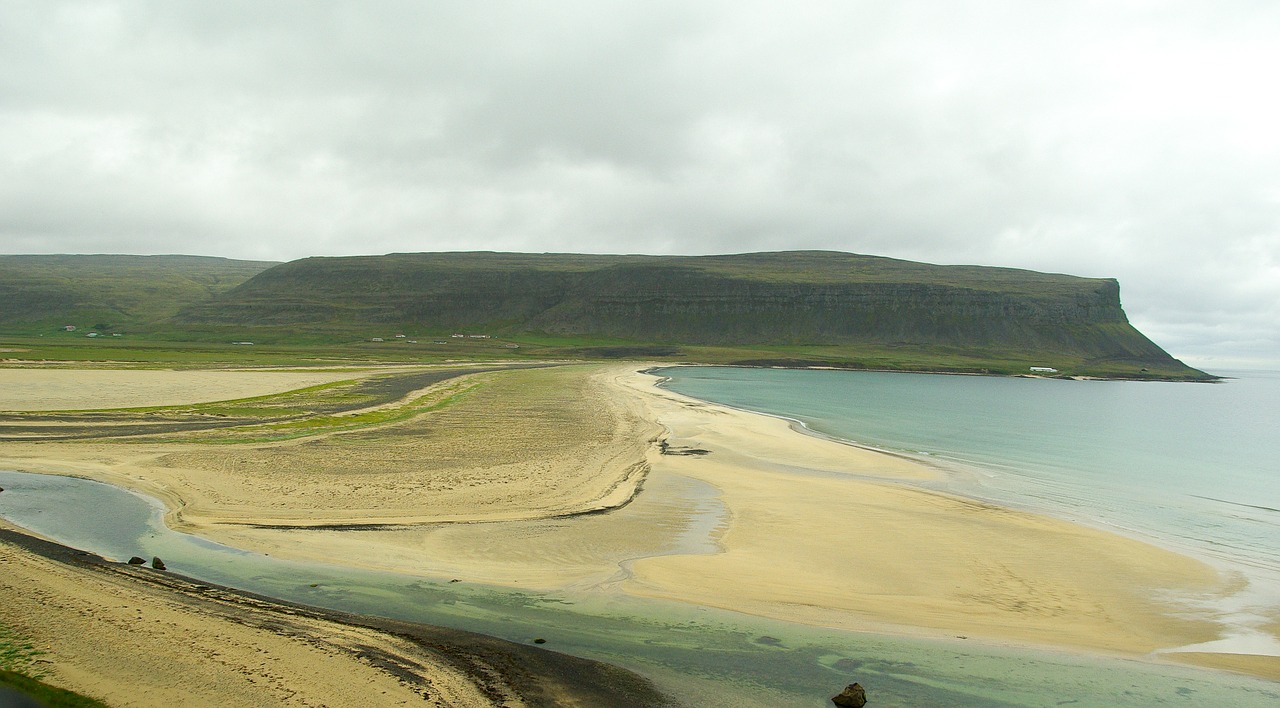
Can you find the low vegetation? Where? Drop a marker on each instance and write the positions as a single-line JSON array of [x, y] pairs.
[[366, 400], [20, 671], [774, 309]]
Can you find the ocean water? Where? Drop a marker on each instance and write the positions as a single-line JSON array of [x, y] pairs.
[[1192, 467], [701, 656], [1055, 446]]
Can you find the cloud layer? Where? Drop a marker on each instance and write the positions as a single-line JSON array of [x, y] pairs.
[[1133, 140]]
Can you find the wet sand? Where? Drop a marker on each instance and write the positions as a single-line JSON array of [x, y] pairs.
[[792, 526], [134, 636]]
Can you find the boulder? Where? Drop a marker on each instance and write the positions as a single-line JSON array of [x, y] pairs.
[[853, 696], [136, 561], [157, 563]]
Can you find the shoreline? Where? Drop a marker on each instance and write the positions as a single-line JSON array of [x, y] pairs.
[[1212, 378], [1164, 570], [443, 666], [1248, 616], [925, 563], [948, 469]]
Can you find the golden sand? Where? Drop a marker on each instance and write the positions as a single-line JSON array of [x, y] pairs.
[[29, 389], [801, 528], [128, 643]]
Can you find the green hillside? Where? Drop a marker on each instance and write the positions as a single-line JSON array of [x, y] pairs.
[[792, 308], [804, 308], [120, 292]]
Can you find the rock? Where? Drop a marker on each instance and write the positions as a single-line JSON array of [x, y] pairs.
[[157, 563], [539, 640], [853, 696], [136, 561]]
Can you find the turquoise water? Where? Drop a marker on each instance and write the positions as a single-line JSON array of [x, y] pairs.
[[1194, 467], [703, 656], [708, 657]]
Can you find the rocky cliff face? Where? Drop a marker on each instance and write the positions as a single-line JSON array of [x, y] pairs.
[[786, 298]]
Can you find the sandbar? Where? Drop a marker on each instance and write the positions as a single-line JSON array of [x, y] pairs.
[[592, 479]]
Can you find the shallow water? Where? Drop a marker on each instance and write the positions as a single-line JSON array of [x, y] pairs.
[[705, 657], [1192, 467]]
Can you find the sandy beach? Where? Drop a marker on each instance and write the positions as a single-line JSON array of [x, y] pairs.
[[133, 636], [710, 506], [518, 444], [33, 389]]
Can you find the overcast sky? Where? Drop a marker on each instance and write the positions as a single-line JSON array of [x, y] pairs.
[[1135, 140]]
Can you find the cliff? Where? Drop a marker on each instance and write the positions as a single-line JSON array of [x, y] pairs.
[[806, 298]]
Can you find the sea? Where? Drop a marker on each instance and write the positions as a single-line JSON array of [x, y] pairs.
[[1193, 467], [1188, 466]]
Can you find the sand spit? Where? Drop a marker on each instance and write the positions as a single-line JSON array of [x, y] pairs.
[[509, 444], [498, 487], [134, 636]]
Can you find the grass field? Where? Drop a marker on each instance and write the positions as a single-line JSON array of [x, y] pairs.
[[302, 350], [785, 309]]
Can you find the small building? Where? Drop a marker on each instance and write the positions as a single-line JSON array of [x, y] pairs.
[[457, 336], [243, 344], [377, 339], [399, 336], [68, 328], [1044, 370]]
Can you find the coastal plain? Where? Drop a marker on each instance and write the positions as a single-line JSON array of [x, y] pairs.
[[590, 478]]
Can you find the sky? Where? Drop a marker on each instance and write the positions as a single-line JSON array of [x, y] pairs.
[[1132, 139]]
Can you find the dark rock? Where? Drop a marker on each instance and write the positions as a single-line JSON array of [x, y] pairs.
[[539, 640], [1, 489], [853, 696], [136, 561], [157, 563], [666, 449]]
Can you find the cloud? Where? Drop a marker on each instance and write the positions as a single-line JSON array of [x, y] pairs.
[[1132, 140]]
